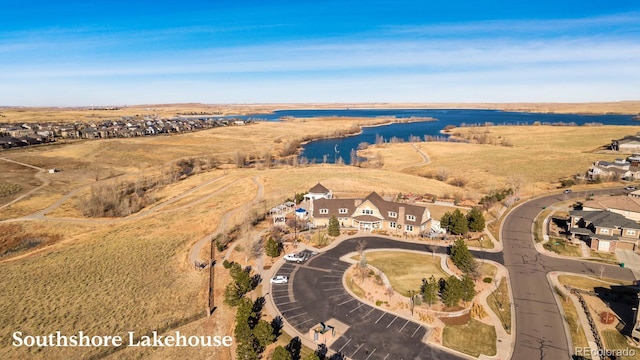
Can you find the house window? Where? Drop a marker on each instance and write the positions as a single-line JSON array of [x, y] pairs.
[[409, 228], [342, 210], [393, 214], [604, 231], [411, 217], [631, 232], [367, 211], [392, 225], [324, 211]]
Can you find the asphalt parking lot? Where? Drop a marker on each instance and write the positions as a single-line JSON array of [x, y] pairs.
[[315, 294]]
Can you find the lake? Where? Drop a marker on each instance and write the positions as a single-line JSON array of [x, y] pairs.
[[341, 147]]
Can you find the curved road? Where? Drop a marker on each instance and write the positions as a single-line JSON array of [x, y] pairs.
[[316, 294], [540, 332]]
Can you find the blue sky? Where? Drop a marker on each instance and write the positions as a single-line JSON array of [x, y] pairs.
[[139, 52]]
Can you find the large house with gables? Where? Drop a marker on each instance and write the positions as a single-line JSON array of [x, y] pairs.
[[604, 230], [372, 213]]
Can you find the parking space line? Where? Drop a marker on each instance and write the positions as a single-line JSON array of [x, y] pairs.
[[370, 311], [293, 308], [334, 296], [279, 296], [285, 303], [416, 330], [385, 358], [374, 350], [332, 282], [332, 276], [381, 316], [405, 324], [394, 319], [356, 308], [352, 355], [345, 344], [295, 316], [338, 288], [344, 302], [305, 321]]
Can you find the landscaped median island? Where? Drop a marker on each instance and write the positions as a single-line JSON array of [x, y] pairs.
[[430, 288], [610, 306]]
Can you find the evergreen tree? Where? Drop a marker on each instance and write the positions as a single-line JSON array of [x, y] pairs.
[[475, 219], [231, 294], [468, 288], [451, 293], [280, 353], [334, 226], [246, 351], [263, 333], [272, 248], [462, 258], [429, 290], [458, 223], [313, 356]]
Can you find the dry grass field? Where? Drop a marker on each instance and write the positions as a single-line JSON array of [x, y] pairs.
[[540, 156]]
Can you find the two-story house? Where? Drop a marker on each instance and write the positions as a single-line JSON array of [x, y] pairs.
[[372, 213], [604, 230]]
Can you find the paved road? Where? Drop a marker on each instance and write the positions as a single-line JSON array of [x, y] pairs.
[[316, 294], [540, 332]]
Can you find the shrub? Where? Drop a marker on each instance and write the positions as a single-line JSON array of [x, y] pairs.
[[379, 302], [227, 264], [487, 280]]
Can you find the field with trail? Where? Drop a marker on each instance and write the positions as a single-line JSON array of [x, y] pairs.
[[536, 156]]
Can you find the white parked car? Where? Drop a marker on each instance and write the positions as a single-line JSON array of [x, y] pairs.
[[294, 257], [630, 188], [280, 279]]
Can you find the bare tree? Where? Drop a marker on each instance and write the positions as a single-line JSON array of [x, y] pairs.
[[389, 291]]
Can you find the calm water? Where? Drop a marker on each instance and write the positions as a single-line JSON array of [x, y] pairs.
[[316, 150]]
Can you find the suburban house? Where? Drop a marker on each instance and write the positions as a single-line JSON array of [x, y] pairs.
[[622, 168], [627, 206], [628, 143], [604, 230], [371, 213], [318, 192]]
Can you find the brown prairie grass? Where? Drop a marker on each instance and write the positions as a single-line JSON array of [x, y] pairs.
[[130, 276], [540, 155]]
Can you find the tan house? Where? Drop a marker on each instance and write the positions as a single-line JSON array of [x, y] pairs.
[[372, 213], [604, 230], [627, 206]]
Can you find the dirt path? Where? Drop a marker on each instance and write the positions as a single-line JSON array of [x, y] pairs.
[[223, 225], [425, 157], [39, 175]]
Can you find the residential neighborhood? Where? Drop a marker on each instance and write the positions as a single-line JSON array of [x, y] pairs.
[[13, 135]]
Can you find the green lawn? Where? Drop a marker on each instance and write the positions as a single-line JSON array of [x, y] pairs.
[[474, 339], [500, 304], [562, 247], [615, 341], [405, 270]]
